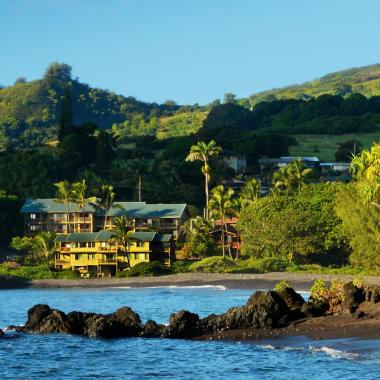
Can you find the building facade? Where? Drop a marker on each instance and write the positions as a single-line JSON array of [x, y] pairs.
[[97, 253], [53, 215]]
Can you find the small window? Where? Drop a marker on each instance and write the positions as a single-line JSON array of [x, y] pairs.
[[82, 245], [33, 216], [103, 244], [140, 244], [91, 256], [33, 227]]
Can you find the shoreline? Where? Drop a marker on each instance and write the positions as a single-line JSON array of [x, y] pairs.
[[300, 281]]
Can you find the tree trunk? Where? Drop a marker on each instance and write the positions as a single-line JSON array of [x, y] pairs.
[[105, 220], [139, 187], [126, 255], [223, 248], [206, 192]]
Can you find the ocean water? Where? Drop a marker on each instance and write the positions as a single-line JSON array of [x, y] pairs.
[[30, 356]]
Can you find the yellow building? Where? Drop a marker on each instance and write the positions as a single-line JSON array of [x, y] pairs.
[[97, 253]]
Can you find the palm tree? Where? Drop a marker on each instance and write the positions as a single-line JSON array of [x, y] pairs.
[[299, 173], [222, 206], [251, 191], [45, 244], [81, 198], [365, 168], [65, 195], [282, 181], [138, 168], [204, 152], [105, 200], [122, 233]]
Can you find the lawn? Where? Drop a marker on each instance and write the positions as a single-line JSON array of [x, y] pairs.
[[325, 146]]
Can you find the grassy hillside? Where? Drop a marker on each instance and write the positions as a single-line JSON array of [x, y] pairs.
[[29, 111], [325, 146], [365, 80]]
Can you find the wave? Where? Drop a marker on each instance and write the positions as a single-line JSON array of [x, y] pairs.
[[216, 287], [335, 353]]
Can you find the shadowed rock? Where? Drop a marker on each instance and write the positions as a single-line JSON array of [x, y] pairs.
[[153, 330], [1, 333], [263, 311], [183, 325]]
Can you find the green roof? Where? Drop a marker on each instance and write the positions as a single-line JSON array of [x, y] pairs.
[[163, 238], [144, 236], [81, 237], [160, 210], [122, 208], [135, 210], [103, 235], [52, 205]]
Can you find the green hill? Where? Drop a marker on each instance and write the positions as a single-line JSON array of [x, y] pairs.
[[29, 111], [364, 80]]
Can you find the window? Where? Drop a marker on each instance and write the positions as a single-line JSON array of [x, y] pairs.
[[145, 256], [91, 256], [33, 216], [33, 227], [82, 245], [140, 244], [91, 244], [103, 244], [136, 256]]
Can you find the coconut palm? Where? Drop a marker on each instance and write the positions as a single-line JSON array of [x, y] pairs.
[[81, 198], [105, 200], [282, 181], [365, 168], [250, 192], [45, 244], [204, 152], [222, 206], [299, 173], [65, 195], [138, 168], [122, 233]]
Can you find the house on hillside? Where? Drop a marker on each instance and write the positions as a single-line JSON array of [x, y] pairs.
[[343, 167], [235, 161], [276, 163], [97, 253], [51, 215], [231, 235]]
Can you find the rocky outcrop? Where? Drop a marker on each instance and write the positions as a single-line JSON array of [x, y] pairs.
[[264, 311], [1, 333], [183, 325]]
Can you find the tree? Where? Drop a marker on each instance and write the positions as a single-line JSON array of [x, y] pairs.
[[105, 200], [282, 181], [365, 169], [46, 244], [66, 116], [65, 195], [38, 248], [138, 168], [122, 233], [360, 225], [299, 173], [251, 191], [199, 241], [299, 228], [222, 206], [81, 197], [204, 152], [58, 71], [229, 98], [20, 80]]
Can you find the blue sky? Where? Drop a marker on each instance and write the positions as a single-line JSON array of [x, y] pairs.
[[190, 51]]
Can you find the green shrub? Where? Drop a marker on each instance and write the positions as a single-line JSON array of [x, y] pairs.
[[273, 264], [215, 264], [282, 285], [154, 268], [319, 291], [180, 266]]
